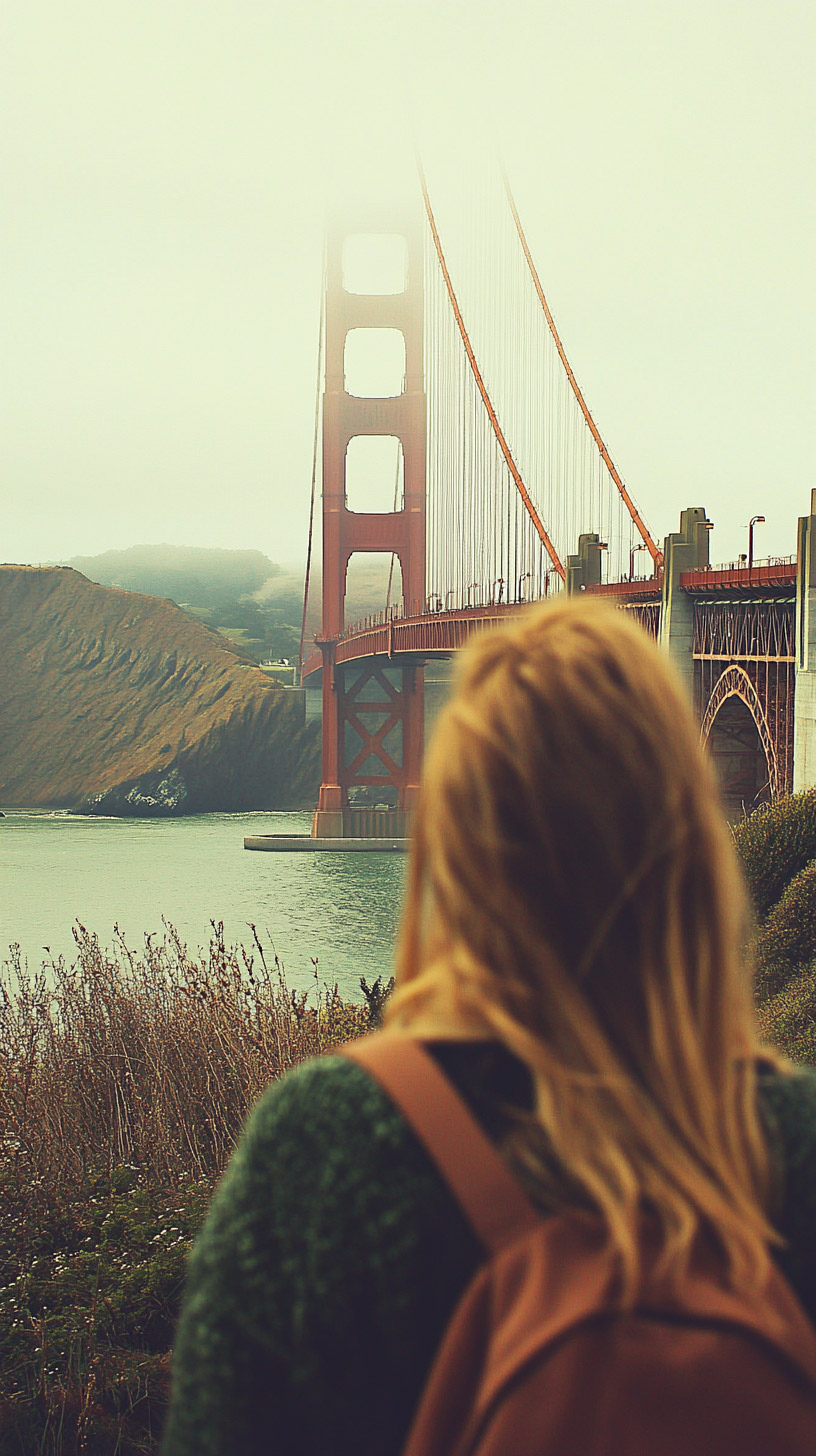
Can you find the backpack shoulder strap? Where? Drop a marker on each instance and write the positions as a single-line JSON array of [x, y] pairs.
[[494, 1202]]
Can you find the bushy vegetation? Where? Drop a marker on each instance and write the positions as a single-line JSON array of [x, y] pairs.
[[777, 845], [263, 630], [124, 1081], [774, 844], [786, 942], [787, 1017]]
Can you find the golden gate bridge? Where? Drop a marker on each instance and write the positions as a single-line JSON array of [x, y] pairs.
[[501, 491]]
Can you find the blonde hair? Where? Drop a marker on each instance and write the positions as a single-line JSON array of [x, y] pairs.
[[573, 891]]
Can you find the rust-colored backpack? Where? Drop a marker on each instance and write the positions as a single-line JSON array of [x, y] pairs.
[[536, 1360]]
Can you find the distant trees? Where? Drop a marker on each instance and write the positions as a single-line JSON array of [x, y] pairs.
[[242, 594], [199, 576]]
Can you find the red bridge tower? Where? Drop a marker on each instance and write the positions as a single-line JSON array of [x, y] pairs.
[[372, 712]]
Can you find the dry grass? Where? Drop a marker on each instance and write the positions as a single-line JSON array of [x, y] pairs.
[[124, 1082], [151, 1058]]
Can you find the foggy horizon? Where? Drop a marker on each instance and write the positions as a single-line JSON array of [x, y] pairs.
[[168, 171]]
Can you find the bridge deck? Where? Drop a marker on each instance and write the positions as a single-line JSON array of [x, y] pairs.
[[439, 634]]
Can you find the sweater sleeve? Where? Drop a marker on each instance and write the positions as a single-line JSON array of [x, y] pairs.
[[322, 1281], [788, 1103]]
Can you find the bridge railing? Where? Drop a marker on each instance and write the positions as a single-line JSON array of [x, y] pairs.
[[741, 564], [436, 605], [629, 588], [478, 598], [767, 571], [424, 612], [477, 601]]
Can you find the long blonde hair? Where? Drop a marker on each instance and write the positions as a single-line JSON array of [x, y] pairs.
[[573, 890]]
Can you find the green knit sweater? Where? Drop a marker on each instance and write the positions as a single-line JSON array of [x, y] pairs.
[[333, 1257]]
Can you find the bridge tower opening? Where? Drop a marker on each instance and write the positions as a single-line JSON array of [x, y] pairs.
[[373, 714], [739, 759]]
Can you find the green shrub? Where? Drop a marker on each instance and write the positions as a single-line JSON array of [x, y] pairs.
[[777, 846], [786, 942], [774, 844], [787, 1017], [88, 1305]]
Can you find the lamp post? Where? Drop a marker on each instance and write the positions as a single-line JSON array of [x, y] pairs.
[[497, 596], [525, 576], [754, 521], [474, 586], [448, 594], [632, 550]]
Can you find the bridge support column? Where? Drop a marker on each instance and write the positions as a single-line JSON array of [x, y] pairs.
[[328, 818], [374, 718], [804, 696], [372, 707], [683, 550], [584, 569]]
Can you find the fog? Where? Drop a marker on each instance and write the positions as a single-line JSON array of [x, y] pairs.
[[166, 173]]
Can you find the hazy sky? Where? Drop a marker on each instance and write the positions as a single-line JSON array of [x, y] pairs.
[[166, 168]]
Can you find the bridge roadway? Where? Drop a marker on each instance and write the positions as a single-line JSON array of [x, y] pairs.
[[440, 634]]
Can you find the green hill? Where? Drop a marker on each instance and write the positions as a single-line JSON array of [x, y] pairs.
[[117, 702]]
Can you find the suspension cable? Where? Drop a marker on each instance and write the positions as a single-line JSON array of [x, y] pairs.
[[651, 545], [497, 430], [314, 474]]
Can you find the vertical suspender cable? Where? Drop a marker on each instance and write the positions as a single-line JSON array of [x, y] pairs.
[[652, 547], [314, 474], [393, 553], [497, 430]]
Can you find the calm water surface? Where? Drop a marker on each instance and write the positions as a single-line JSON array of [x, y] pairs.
[[55, 869]]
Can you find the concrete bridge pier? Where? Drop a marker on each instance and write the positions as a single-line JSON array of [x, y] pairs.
[[683, 550]]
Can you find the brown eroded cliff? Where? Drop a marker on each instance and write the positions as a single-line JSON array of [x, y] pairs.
[[119, 703]]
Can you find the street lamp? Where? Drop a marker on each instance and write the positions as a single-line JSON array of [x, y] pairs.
[[448, 594], [524, 577], [496, 597], [632, 550], [754, 521], [474, 586]]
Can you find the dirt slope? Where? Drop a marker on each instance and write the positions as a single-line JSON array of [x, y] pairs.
[[119, 702]]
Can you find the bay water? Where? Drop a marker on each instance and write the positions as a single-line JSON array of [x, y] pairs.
[[57, 868]]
